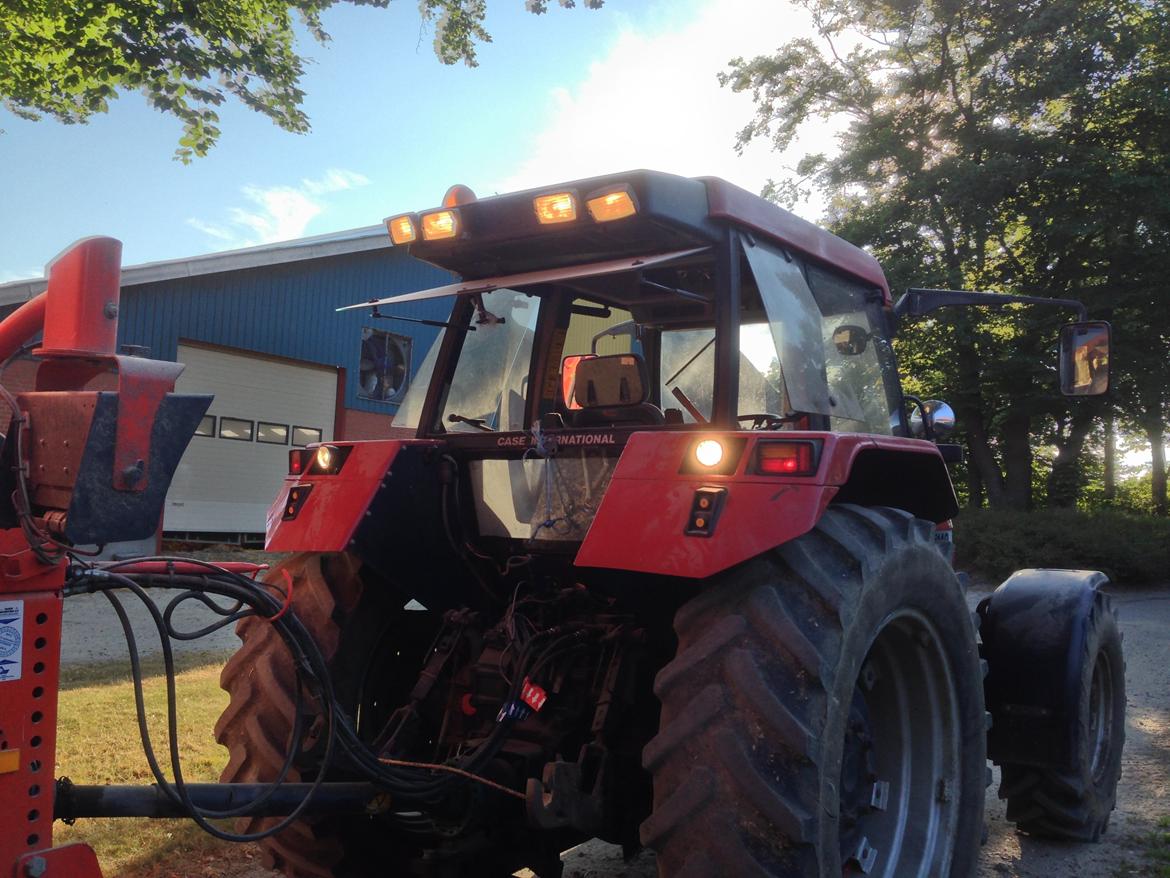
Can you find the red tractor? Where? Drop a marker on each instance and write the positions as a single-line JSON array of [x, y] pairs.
[[652, 559]]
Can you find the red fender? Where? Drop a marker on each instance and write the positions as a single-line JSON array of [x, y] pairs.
[[646, 510]]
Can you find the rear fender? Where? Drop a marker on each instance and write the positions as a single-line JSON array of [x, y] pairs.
[[643, 521], [1033, 629], [320, 513]]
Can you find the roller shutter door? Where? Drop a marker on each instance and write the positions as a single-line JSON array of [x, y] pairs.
[[262, 407]]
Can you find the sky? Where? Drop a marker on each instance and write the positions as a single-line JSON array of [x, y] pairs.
[[571, 93]]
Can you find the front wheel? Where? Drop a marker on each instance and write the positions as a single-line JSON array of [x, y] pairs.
[[824, 713], [1076, 802]]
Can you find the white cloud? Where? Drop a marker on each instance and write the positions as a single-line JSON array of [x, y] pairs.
[[654, 101], [335, 180], [277, 213], [283, 213]]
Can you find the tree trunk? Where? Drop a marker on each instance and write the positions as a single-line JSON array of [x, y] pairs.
[[1065, 482], [1111, 456], [968, 407], [1156, 433], [1017, 461], [974, 485]]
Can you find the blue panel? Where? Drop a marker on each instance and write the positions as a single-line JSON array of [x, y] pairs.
[[288, 310]]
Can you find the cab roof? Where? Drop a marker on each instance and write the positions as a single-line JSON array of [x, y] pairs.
[[501, 234]]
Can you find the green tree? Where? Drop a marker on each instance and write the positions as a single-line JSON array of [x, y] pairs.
[[983, 152], [69, 58]]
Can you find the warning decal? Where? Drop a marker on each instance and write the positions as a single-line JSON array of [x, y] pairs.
[[11, 637]]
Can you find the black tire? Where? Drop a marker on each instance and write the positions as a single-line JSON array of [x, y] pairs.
[[349, 623], [784, 666], [1077, 804]]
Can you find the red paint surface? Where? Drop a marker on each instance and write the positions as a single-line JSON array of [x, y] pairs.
[[84, 287], [335, 505], [74, 860], [21, 325], [28, 706], [640, 524]]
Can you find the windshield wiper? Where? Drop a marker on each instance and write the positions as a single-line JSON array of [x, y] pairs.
[[478, 423]]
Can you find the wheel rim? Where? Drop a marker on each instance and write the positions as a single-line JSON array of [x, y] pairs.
[[900, 777], [1101, 715]]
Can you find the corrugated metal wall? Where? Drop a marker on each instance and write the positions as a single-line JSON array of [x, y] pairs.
[[287, 310]]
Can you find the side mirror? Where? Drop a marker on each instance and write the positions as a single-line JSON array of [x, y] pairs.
[[934, 420], [850, 340], [1084, 358]]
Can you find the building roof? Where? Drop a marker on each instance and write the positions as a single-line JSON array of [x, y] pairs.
[[332, 244]]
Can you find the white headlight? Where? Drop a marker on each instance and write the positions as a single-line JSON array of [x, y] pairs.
[[709, 452]]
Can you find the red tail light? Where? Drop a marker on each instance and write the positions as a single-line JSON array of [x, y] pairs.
[[786, 458], [296, 461]]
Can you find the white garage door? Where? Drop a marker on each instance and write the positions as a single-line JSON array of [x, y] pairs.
[[233, 468]]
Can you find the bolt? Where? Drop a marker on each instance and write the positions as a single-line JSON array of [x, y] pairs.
[[35, 867], [111, 310], [865, 856], [133, 474], [946, 791], [869, 677]]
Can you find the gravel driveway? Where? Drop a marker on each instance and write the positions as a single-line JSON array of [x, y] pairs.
[[92, 633]]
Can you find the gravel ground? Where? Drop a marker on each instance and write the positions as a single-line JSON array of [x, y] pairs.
[[92, 634]]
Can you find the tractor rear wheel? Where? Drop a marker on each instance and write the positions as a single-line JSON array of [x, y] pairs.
[[349, 622], [823, 714]]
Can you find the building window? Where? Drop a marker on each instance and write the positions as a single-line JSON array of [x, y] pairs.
[[206, 426], [384, 369], [272, 434], [306, 435], [235, 428]]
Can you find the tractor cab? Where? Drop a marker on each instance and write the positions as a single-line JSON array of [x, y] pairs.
[[621, 306]]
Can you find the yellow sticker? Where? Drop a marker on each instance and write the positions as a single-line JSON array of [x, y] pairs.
[[9, 761]]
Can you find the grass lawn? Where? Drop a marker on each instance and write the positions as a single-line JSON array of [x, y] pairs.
[[98, 742]]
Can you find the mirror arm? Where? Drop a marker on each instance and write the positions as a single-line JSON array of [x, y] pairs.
[[917, 302]]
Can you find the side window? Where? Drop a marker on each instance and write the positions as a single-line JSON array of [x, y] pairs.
[[236, 428], [594, 330], [859, 362], [302, 436], [688, 369]]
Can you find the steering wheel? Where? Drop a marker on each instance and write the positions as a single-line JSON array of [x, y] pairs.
[[768, 420]]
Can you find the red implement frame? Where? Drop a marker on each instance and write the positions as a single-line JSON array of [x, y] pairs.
[[79, 313]]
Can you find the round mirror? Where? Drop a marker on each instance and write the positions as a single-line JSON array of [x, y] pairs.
[[941, 416]]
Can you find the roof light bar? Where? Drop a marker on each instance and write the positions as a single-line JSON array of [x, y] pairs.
[[439, 225], [607, 205], [402, 229], [560, 207]]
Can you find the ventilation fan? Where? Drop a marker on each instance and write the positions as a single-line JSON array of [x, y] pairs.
[[383, 366]]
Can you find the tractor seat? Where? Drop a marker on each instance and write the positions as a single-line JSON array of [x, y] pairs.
[[611, 390]]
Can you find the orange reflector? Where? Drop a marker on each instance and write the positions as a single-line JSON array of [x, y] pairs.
[[558, 208], [440, 224], [612, 206], [9, 761], [786, 458], [401, 228]]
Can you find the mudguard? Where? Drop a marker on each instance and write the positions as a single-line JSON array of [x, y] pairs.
[[1033, 629]]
